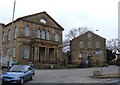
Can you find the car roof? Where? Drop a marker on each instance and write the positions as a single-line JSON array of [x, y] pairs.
[[21, 65]]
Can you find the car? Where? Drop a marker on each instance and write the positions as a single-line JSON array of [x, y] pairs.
[[18, 74]]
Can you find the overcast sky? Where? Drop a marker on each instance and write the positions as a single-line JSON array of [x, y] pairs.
[[99, 15]]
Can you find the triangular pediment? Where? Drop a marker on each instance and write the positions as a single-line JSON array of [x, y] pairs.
[[42, 18]]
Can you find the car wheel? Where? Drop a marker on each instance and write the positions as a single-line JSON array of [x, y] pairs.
[[32, 77], [22, 81]]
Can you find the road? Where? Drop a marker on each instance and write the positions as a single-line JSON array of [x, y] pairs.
[[72, 76]]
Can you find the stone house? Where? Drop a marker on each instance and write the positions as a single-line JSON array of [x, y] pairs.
[[89, 46], [36, 38], [1, 26]]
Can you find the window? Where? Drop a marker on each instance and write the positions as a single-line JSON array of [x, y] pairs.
[[16, 32], [56, 37], [47, 37], [43, 21], [7, 52], [9, 35], [14, 50], [89, 35], [43, 34], [97, 44], [38, 33], [81, 44], [27, 31], [89, 44], [2, 53], [26, 53], [3, 37]]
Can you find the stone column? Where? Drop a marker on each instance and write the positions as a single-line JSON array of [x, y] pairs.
[[48, 55], [35, 53], [38, 53], [45, 54]]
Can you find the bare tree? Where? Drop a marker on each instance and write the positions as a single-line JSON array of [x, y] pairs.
[[114, 45], [73, 33]]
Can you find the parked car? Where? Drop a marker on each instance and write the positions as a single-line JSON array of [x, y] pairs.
[[18, 74]]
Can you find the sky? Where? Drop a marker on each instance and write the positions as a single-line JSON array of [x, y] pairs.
[[101, 15]]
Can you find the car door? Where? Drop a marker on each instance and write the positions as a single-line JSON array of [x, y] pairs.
[[26, 73]]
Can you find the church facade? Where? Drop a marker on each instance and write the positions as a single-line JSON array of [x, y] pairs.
[[88, 46], [35, 38]]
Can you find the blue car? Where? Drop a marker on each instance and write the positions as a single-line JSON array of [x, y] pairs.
[[18, 74]]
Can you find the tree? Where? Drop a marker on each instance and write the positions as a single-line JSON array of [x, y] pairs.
[[110, 55], [73, 33], [114, 45]]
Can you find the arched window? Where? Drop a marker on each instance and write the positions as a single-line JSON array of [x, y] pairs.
[[16, 32], [43, 34], [3, 37], [89, 44], [43, 21], [14, 51], [38, 33], [26, 31], [81, 44], [97, 44], [26, 53], [9, 34], [47, 37], [56, 37]]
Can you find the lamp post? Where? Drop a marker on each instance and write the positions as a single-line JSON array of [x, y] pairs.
[[11, 33]]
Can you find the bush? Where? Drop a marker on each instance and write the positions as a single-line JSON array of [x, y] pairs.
[[118, 62], [69, 66], [112, 62]]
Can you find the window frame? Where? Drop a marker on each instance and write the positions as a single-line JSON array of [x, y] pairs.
[[9, 34], [43, 34], [14, 52], [16, 32], [47, 35], [3, 38], [8, 52], [56, 37], [27, 31], [38, 33], [81, 44], [26, 53]]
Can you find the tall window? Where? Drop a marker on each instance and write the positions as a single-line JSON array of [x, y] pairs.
[[3, 36], [9, 35], [56, 37], [81, 44], [16, 32], [43, 34], [26, 53], [27, 31], [14, 51], [2, 53], [38, 33], [89, 44], [97, 44], [47, 37], [7, 52]]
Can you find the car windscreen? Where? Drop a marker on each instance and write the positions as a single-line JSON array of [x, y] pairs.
[[17, 69]]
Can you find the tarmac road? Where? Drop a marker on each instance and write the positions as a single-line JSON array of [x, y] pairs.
[[72, 76]]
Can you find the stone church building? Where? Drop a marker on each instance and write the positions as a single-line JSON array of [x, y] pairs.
[[88, 46], [36, 38]]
